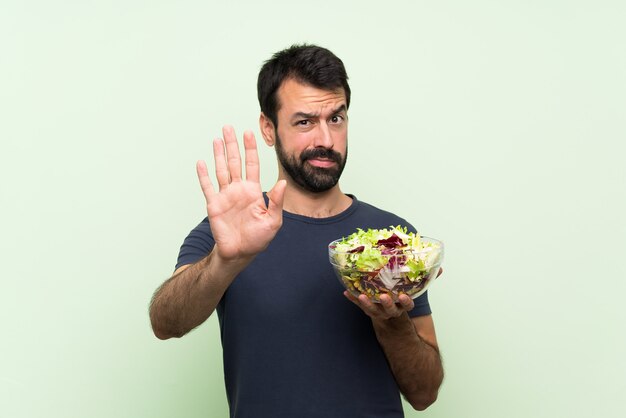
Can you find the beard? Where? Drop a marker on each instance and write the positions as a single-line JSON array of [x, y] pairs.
[[311, 178]]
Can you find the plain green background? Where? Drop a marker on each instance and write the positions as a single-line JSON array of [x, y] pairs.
[[496, 126]]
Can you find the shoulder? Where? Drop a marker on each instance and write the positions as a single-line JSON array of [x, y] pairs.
[[197, 245], [202, 231]]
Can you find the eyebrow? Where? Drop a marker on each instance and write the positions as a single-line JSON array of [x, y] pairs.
[[305, 115]]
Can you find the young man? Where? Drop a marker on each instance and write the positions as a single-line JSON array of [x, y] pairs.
[[294, 344]]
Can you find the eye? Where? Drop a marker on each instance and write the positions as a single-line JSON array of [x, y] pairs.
[[336, 119], [304, 122]]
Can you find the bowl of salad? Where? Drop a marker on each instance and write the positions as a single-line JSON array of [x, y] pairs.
[[389, 261]]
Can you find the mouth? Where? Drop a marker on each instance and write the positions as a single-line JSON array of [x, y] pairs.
[[321, 162]]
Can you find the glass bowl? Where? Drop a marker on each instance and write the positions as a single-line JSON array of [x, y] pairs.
[[395, 277]]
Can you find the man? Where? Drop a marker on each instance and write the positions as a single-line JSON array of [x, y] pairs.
[[294, 345]]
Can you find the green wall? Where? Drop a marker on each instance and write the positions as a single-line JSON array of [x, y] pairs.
[[496, 126]]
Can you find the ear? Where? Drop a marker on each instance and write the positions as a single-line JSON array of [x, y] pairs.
[[267, 129]]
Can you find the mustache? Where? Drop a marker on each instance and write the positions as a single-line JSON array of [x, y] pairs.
[[321, 153]]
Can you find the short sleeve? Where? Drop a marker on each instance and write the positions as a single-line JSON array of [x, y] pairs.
[[422, 307], [197, 245]]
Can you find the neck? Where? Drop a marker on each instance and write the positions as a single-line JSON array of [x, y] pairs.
[[315, 205]]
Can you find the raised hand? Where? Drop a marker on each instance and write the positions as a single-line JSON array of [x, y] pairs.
[[241, 222]]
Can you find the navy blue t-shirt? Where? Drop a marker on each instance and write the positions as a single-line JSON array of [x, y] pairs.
[[293, 345]]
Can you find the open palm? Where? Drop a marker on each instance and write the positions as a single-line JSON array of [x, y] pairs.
[[241, 222]]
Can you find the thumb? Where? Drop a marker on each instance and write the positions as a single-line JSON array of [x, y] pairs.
[[276, 196]]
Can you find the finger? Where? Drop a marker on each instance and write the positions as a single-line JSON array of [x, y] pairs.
[[364, 303], [368, 306], [277, 196], [351, 298], [205, 181], [389, 306], [406, 302], [232, 153], [252, 157], [221, 170]]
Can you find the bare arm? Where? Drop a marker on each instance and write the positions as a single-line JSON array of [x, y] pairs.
[[190, 296], [410, 346], [413, 355], [242, 226]]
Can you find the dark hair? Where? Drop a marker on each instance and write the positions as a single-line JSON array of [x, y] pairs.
[[308, 64]]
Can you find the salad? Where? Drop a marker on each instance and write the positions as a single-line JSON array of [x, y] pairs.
[[391, 261]]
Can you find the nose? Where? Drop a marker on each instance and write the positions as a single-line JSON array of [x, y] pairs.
[[323, 137]]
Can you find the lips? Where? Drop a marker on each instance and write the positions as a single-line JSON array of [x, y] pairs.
[[323, 163]]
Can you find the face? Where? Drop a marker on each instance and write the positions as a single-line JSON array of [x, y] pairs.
[[311, 137]]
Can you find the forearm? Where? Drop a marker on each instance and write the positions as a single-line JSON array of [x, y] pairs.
[[415, 364], [189, 297]]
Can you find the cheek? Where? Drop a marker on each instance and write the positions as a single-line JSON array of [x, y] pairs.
[[341, 143], [295, 142]]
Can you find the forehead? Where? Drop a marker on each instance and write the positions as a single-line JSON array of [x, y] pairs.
[[294, 96]]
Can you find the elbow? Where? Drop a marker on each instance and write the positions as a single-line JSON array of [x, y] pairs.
[[160, 331], [164, 329], [163, 334], [420, 403], [160, 334]]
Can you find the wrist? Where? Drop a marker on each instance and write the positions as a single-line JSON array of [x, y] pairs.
[[219, 266], [397, 325]]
